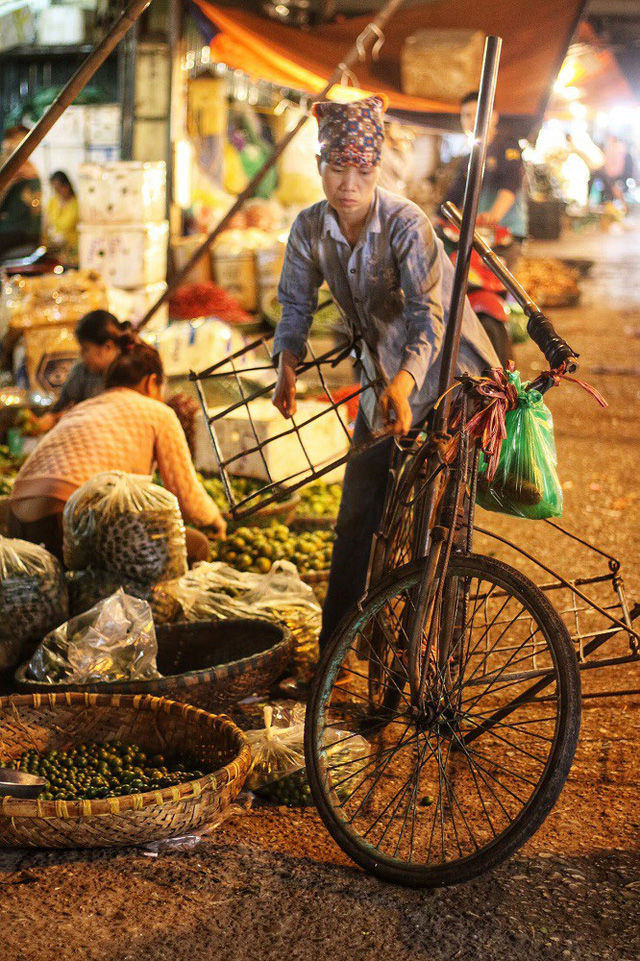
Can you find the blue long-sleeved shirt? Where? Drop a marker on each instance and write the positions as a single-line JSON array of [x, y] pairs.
[[393, 289]]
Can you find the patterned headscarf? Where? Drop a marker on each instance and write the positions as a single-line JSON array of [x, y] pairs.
[[351, 134]]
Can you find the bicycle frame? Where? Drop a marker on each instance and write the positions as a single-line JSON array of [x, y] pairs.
[[432, 618]]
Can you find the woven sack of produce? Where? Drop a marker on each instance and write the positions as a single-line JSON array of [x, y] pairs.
[[88, 587], [126, 524], [33, 596], [113, 641]]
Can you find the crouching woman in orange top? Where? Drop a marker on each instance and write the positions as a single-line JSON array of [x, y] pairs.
[[126, 428]]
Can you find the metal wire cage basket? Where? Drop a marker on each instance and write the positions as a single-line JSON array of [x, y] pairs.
[[250, 438]]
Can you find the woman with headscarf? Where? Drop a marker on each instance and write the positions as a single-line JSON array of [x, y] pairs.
[[392, 280]]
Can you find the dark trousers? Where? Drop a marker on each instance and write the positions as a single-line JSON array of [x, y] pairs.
[[363, 491]]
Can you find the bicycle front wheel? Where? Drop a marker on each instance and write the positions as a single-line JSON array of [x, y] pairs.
[[440, 794]]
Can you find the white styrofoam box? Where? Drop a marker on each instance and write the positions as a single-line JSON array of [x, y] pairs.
[[64, 26], [132, 305], [103, 154], [104, 124], [18, 22], [193, 345], [324, 439], [126, 255], [70, 129], [123, 192]]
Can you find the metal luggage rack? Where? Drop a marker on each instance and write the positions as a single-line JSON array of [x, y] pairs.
[[254, 363], [594, 609]]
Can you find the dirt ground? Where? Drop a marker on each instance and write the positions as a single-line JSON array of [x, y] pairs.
[[271, 884]]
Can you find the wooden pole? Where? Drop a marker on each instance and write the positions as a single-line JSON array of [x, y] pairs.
[[368, 38], [71, 90]]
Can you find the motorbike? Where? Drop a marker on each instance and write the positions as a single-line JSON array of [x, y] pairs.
[[486, 294]]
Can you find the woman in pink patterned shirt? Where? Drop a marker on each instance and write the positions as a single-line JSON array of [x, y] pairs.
[[126, 428]]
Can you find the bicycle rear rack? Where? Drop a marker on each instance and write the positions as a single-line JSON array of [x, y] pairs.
[[594, 608]]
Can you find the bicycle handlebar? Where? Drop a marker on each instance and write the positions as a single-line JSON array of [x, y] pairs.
[[539, 327]]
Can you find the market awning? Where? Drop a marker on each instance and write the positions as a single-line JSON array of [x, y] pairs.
[[535, 37], [590, 75]]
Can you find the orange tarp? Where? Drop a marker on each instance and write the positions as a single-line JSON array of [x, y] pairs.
[[535, 37]]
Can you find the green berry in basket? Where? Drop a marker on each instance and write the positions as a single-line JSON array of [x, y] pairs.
[[110, 769]]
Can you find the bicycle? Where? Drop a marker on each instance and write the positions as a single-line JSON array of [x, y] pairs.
[[456, 669]]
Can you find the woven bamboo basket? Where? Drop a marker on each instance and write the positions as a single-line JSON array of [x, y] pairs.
[[210, 664], [316, 577], [58, 721], [313, 522]]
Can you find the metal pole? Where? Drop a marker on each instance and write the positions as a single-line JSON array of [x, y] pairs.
[[467, 227], [368, 38], [128, 52], [69, 93]]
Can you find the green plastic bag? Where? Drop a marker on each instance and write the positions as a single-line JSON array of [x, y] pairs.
[[526, 481]]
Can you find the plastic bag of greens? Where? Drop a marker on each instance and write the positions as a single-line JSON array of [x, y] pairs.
[[277, 749], [33, 596], [113, 641], [216, 590], [278, 768], [126, 524], [525, 483]]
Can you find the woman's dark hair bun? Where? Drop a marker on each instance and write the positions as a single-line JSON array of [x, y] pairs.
[[135, 361], [126, 326]]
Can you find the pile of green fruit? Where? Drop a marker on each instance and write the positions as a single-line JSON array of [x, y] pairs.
[[320, 500], [9, 467], [242, 487], [292, 789], [256, 548], [102, 770]]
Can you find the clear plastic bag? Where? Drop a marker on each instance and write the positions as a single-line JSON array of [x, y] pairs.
[[526, 482], [33, 595], [277, 749], [216, 590], [278, 768], [114, 641], [126, 524]]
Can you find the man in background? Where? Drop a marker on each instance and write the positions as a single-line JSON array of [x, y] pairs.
[[502, 199]]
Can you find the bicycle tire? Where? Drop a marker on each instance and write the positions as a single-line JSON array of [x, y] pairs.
[[556, 767]]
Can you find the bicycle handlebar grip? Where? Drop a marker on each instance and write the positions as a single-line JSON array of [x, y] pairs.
[[555, 349]]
